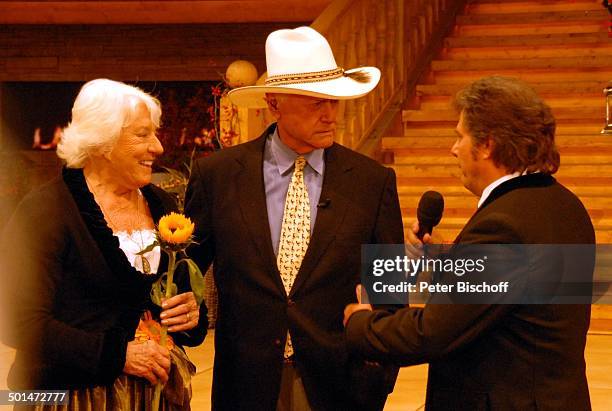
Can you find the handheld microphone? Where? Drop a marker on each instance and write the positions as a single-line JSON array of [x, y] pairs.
[[429, 212], [324, 203]]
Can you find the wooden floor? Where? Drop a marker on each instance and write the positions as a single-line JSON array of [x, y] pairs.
[[409, 394]]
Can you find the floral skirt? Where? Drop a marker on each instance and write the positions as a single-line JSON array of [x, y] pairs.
[[129, 393]]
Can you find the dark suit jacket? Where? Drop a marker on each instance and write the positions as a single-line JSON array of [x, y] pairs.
[[72, 298], [226, 198], [497, 357]]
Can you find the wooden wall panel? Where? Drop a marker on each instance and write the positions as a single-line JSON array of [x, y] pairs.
[[130, 52], [159, 12]]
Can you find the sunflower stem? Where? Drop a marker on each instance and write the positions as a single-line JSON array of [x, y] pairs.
[[164, 328]]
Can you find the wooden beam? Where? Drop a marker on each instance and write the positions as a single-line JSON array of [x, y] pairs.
[[159, 12]]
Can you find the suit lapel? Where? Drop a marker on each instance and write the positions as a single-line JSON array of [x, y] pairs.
[[252, 201], [329, 217]]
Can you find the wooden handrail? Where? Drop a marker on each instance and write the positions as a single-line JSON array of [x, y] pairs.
[[330, 15]]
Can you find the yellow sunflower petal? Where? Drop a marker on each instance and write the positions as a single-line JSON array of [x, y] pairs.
[[175, 228]]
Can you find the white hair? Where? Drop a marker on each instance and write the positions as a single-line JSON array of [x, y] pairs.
[[101, 110]]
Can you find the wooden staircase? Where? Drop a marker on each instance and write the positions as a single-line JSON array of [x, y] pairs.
[[562, 48]]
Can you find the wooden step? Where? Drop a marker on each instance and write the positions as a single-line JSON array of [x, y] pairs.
[[593, 100], [521, 29], [575, 152], [593, 113], [434, 170], [448, 232], [599, 152], [449, 229], [601, 207], [517, 6], [583, 62], [529, 75], [603, 237], [578, 130], [457, 190], [457, 223], [450, 201], [542, 2], [545, 90], [455, 208], [599, 197], [599, 312], [565, 16], [430, 182], [526, 52], [447, 159], [528, 40], [446, 140], [602, 221]]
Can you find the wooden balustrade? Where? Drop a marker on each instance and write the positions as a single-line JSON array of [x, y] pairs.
[[366, 33], [399, 37]]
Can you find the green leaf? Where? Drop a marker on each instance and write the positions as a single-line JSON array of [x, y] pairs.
[[196, 279], [156, 293], [148, 248]]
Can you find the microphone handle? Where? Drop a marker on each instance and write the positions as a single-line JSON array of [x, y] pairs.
[[423, 229]]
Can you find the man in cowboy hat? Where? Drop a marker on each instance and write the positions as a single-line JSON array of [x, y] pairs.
[[283, 217]]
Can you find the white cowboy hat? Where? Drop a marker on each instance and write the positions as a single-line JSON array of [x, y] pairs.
[[300, 61]]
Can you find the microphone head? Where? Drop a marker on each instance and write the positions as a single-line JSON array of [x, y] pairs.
[[429, 211]]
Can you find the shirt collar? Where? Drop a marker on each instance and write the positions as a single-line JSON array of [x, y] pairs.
[[489, 189], [285, 157]]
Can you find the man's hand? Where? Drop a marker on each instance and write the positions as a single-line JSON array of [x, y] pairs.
[[352, 308], [414, 246]]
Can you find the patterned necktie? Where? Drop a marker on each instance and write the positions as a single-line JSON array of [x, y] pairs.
[[295, 233]]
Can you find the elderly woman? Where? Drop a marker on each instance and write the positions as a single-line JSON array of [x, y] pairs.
[[76, 289]]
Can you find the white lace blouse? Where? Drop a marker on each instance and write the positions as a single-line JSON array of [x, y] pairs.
[[132, 243]]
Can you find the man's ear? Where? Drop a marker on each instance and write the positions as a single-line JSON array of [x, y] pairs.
[[487, 147], [272, 102]]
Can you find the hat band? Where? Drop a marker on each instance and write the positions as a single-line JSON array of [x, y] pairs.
[[311, 77]]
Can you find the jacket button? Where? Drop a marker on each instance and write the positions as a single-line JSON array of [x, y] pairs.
[[290, 303], [277, 342]]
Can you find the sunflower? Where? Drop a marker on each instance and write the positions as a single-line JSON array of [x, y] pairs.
[[175, 229]]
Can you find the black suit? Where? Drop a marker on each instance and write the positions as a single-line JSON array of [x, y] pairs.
[[226, 199], [497, 357]]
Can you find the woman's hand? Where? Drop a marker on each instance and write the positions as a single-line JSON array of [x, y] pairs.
[[147, 360], [180, 313]]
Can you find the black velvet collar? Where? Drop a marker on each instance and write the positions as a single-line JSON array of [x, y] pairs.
[[528, 180], [131, 281]]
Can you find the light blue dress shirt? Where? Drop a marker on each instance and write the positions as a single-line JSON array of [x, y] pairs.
[[278, 164]]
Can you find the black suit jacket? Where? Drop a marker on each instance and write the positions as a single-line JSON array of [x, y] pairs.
[[226, 199], [497, 357], [71, 298]]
